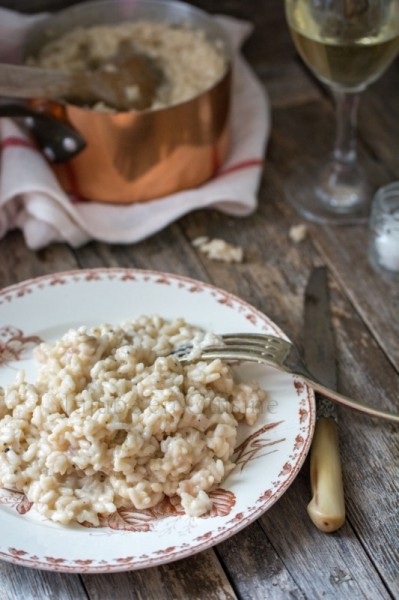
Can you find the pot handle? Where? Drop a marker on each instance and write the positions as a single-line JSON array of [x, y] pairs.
[[59, 141]]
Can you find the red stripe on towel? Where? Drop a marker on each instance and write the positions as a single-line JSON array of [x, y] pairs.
[[245, 164], [13, 142], [16, 142]]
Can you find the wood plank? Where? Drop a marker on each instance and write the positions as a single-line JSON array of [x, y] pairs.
[[341, 251], [287, 86], [167, 251], [379, 119], [196, 578], [19, 263], [370, 447], [326, 565], [256, 568], [30, 584]]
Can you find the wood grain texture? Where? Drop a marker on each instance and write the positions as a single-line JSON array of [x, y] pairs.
[[281, 555], [336, 569], [257, 570], [29, 584], [198, 577]]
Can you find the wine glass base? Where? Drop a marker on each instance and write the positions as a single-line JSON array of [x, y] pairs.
[[316, 192]]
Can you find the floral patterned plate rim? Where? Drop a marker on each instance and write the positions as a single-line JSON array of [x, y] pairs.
[[268, 456]]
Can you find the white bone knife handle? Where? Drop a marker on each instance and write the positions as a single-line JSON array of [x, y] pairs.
[[327, 507]]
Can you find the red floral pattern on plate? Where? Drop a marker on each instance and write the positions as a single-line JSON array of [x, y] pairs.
[[254, 445], [14, 345], [16, 500], [130, 519]]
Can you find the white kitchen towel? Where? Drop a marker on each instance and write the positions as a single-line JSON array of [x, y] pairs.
[[32, 200]]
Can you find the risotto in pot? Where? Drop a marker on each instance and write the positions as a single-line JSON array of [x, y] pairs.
[[114, 421], [189, 61]]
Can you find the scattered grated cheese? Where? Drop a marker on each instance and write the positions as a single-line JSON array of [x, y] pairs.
[[217, 249], [298, 233]]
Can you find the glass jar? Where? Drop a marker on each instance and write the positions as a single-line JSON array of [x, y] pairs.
[[384, 230]]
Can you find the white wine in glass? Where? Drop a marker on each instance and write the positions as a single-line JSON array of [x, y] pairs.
[[347, 44]]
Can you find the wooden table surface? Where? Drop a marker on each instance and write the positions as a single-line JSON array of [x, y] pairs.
[[282, 554]]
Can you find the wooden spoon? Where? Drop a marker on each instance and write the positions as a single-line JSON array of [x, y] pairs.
[[128, 81]]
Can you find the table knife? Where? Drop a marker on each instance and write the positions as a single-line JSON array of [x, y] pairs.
[[327, 506]]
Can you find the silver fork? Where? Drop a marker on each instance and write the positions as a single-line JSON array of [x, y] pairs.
[[278, 353]]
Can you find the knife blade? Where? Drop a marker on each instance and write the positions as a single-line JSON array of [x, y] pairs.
[[327, 506]]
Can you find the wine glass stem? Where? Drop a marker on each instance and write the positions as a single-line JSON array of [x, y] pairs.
[[345, 149], [342, 186]]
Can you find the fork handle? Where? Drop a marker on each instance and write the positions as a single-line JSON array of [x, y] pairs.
[[327, 507], [350, 403]]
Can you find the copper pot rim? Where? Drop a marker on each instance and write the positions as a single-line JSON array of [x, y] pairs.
[[64, 107]]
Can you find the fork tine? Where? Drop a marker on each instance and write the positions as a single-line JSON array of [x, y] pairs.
[[270, 346], [231, 353], [263, 337], [272, 353], [215, 351], [257, 339], [243, 346]]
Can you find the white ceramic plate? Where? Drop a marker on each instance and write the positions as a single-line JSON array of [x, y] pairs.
[[268, 457]]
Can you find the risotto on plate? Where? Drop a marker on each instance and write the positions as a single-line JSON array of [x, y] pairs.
[[113, 420]]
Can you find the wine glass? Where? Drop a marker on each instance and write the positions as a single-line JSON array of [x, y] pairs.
[[347, 44]]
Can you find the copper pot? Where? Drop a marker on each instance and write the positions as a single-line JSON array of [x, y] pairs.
[[138, 156]]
